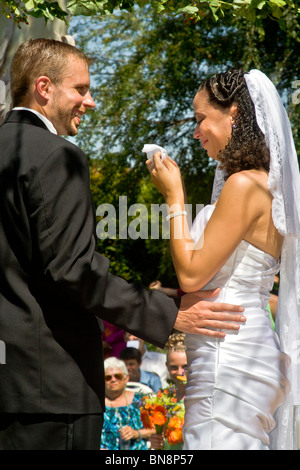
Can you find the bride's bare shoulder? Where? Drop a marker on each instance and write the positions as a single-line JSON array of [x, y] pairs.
[[244, 188], [247, 180]]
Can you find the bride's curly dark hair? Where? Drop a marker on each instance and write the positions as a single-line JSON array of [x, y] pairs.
[[247, 148]]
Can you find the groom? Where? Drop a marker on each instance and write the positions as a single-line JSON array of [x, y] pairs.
[[54, 286]]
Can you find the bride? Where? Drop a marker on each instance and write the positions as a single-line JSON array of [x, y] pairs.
[[239, 242]]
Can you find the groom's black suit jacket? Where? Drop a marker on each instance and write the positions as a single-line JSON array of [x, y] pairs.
[[54, 287]]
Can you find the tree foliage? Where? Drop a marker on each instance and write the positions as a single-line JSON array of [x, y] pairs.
[[254, 11], [18, 10], [146, 70]]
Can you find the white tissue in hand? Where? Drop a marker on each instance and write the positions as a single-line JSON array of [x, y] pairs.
[[151, 149]]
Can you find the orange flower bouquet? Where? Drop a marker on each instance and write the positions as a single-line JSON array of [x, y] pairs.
[[174, 430], [164, 413]]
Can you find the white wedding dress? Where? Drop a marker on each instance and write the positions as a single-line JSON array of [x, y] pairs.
[[235, 384]]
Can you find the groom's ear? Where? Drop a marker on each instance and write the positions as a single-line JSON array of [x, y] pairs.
[[42, 87]]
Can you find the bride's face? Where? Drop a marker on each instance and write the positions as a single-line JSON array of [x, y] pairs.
[[214, 124]]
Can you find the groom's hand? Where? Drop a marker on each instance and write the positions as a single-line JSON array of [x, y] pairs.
[[199, 316]]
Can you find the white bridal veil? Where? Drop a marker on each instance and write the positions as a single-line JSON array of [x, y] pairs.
[[284, 184]]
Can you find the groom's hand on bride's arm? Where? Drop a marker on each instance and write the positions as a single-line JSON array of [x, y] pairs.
[[199, 316]]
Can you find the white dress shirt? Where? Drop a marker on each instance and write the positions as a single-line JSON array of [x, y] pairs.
[[41, 116]]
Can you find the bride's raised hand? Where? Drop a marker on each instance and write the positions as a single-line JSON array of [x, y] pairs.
[[165, 175]]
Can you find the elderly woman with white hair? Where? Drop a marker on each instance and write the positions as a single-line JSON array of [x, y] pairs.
[[123, 428]]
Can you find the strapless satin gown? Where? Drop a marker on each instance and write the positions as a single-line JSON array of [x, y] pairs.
[[235, 384]]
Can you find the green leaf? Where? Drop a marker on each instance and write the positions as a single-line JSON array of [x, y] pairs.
[[282, 24], [30, 4], [158, 7], [214, 12], [278, 3], [86, 7], [239, 4], [189, 10], [277, 12], [215, 3], [259, 4]]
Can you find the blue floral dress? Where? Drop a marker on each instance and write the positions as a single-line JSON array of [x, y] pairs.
[[115, 418]]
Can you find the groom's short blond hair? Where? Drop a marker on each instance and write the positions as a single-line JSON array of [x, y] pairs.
[[36, 58]]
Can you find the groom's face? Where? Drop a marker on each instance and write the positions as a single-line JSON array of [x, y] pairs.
[[71, 98]]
